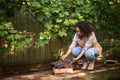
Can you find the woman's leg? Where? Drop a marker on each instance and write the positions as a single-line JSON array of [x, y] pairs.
[[76, 51], [90, 55]]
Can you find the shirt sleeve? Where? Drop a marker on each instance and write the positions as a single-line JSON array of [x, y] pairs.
[[74, 41], [90, 41]]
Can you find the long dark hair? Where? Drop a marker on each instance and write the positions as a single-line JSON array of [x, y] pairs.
[[85, 28]]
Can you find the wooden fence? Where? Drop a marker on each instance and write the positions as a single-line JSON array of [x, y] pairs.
[[32, 55]]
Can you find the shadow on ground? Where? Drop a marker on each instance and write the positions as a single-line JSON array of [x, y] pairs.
[[105, 74]]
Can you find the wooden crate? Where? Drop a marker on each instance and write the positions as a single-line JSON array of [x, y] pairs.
[[63, 70]]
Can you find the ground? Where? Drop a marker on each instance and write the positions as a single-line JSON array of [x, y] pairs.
[[109, 71]]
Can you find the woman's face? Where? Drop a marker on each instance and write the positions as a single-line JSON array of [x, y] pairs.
[[78, 31]]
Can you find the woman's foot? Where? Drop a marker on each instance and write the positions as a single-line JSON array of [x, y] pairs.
[[91, 66], [85, 64]]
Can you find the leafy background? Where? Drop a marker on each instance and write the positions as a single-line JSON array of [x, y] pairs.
[[57, 19]]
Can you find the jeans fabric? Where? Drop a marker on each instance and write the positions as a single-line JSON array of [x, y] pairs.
[[90, 54]]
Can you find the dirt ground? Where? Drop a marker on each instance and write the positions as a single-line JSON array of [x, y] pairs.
[[106, 74]]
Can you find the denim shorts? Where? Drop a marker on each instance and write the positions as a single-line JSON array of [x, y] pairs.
[[89, 54]]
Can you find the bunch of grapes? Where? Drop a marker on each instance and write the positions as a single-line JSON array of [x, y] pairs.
[[63, 64]]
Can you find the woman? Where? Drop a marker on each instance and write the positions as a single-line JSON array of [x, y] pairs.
[[84, 45]]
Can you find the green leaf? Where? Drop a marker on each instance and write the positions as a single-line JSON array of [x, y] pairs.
[[3, 33], [17, 36], [42, 42], [56, 54], [36, 4], [44, 1], [66, 13], [49, 24], [8, 25], [58, 20], [10, 37], [61, 15], [23, 9], [13, 31], [66, 22], [40, 18], [79, 2], [97, 25], [54, 10], [62, 33], [5, 50]]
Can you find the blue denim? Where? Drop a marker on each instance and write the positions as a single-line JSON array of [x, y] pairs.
[[90, 54]]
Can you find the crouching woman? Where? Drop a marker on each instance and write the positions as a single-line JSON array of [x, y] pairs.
[[84, 45]]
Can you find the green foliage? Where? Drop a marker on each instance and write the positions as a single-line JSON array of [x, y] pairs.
[[58, 18], [111, 49], [104, 14], [12, 39], [56, 54]]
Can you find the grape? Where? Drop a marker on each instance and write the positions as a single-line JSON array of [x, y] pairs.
[[63, 64]]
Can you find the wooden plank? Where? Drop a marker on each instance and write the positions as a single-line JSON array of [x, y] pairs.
[[63, 70]]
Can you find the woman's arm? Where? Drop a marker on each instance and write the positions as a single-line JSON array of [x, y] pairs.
[[80, 55], [73, 44], [68, 52]]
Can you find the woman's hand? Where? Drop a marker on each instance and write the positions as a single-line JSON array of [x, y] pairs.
[[75, 59], [64, 57]]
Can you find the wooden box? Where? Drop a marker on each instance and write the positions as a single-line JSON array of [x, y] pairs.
[[63, 70]]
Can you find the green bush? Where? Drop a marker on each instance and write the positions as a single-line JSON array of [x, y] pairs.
[[12, 40], [111, 49], [58, 17]]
